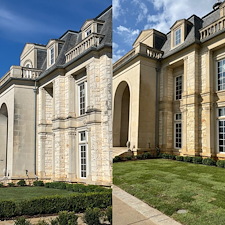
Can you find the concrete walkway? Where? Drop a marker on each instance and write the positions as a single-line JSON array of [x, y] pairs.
[[129, 210]]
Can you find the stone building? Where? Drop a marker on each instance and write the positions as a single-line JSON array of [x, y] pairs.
[[169, 90], [55, 108]]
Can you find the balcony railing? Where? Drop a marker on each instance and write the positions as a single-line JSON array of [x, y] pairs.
[[212, 28], [20, 72], [92, 40], [142, 49]]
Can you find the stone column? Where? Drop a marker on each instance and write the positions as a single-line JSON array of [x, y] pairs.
[[71, 95], [184, 109], [208, 109], [42, 106], [72, 156], [166, 111], [53, 156], [43, 139]]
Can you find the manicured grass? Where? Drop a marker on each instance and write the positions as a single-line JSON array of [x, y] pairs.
[[23, 193], [169, 185]]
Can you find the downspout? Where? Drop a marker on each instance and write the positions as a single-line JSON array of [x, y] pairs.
[[35, 127]]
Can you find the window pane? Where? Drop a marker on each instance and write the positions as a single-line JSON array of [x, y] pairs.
[[178, 88]]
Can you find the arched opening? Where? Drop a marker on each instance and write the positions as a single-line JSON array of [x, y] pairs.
[[3, 139], [121, 115]]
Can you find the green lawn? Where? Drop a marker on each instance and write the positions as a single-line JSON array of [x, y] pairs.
[[21, 193], [169, 185]]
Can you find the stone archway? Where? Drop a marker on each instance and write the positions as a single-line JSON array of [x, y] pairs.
[[121, 115], [3, 139]]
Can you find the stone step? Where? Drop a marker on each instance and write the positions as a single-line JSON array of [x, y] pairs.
[[119, 150]]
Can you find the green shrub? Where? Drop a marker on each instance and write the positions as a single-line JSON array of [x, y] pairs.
[[140, 156], [11, 184], [117, 159], [165, 156], [221, 163], [65, 218], [42, 222], [171, 157], [109, 214], [21, 183], [146, 155], [179, 158], [1, 184], [128, 158], [187, 159], [7, 209], [56, 185], [55, 204], [209, 162], [38, 183], [92, 216], [22, 221], [197, 160]]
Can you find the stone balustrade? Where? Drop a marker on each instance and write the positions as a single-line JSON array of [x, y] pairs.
[[20, 72], [142, 49], [92, 40], [212, 28]]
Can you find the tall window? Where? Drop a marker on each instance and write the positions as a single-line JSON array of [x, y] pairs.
[[83, 153], [52, 55], [178, 87], [82, 98], [221, 129], [177, 130], [221, 74], [177, 37]]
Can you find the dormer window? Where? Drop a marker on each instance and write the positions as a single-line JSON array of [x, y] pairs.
[[177, 36], [51, 55]]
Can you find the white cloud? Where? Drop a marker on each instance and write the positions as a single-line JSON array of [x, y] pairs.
[[127, 34], [116, 8], [142, 10], [115, 46], [169, 11]]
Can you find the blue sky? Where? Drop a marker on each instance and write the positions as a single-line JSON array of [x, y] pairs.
[[132, 16], [37, 21]]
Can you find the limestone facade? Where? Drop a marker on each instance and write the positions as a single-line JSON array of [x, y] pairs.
[[60, 99], [171, 88]]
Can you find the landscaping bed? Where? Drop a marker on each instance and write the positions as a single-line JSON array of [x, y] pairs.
[[193, 194], [52, 198]]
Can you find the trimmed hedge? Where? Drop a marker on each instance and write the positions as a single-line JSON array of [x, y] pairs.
[[76, 187], [197, 160], [221, 163], [38, 183], [187, 159], [209, 162], [179, 158], [55, 204], [117, 159]]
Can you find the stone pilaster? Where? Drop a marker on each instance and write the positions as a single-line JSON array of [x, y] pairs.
[[72, 172]]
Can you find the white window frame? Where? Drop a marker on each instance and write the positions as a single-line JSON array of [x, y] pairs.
[[222, 72], [51, 55], [220, 118], [177, 122], [84, 82], [178, 96], [177, 31], [88, 32], [83, 144]]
